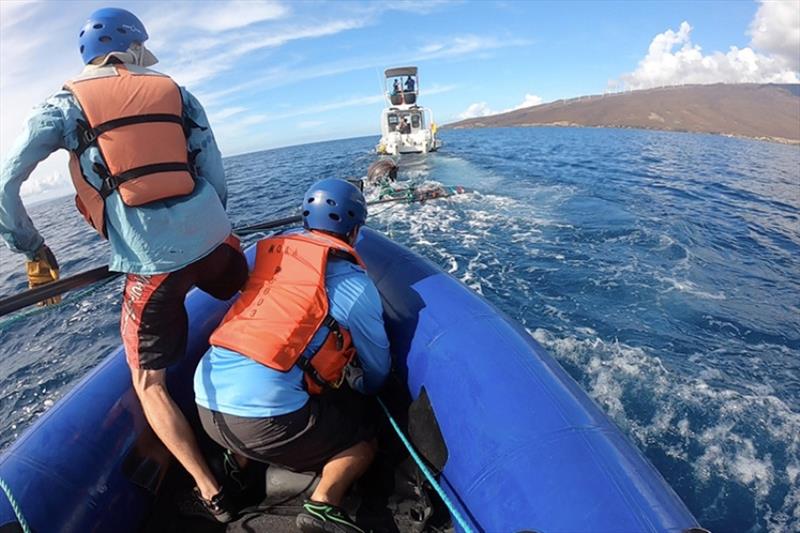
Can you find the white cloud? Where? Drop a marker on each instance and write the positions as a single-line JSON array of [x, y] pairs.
[[465, 45], [226, 112], [776, 29], [208, 17], [24, 83], [50, 184], [228, 54], [482, 109], [478, 109], [191, 67], [419, 7], [664, 65], [529, 101], [224, 16]]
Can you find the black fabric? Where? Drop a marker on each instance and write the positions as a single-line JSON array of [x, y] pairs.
[[305, 364], [137, 172], [137, 119], [424, 431], [110, 183], [163, 322], [301, 441], [87, 136]]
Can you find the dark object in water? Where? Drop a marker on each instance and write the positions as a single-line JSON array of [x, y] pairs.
[[381, 172]]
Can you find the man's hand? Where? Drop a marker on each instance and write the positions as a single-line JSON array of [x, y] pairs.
[[354, 376], [42, 270]]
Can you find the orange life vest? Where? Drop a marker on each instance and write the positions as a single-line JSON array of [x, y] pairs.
[[134, 116], [284, 304]]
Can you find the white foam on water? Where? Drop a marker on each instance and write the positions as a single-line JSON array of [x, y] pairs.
[[689, 287], [737, 432], [693, 420], [457, 232]]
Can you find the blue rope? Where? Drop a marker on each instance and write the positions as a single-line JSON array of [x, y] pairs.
[[428, 474], [15, 506]]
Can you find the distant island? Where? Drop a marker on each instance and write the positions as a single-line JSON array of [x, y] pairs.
[[768, 112]]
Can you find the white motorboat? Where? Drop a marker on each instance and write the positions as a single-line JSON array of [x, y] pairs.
[[406, 128]]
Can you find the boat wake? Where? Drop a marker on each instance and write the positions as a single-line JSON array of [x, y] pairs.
[[732, 446], [728, 442]]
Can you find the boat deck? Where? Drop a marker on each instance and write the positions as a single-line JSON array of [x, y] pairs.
[[392, 497]]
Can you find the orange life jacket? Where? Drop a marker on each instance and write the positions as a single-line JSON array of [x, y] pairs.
[[284, 304], [134, 116]]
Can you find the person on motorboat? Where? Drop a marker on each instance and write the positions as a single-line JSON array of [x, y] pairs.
[[284, 379], [404, 127], [410, 84], [396, 86], [146, 168]]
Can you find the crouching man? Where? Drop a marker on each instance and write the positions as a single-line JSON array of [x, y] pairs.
[[273, 387]]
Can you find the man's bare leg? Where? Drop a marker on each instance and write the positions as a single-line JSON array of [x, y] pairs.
[[172, 428], [342, 471]]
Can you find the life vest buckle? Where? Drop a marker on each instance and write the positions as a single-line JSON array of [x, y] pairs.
[[88, 136]]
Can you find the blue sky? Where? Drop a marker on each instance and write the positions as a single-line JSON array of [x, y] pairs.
[[279, 73]]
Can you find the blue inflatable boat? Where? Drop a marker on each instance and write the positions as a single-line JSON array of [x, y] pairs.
[[517, 444]]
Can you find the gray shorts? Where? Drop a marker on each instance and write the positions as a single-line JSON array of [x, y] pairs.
[[302, 441]]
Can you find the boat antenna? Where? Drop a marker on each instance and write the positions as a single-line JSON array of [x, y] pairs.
[[380, 83]]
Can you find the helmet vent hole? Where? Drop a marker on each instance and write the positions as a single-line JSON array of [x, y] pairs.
[[306, 213], [330, 201], [82, 32], [352, 215], [82, 47], [311, 200], [105, 39], [334, 216], [97, 26], [121, 30]]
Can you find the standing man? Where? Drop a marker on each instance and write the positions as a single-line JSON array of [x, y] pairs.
[[149, 178], [278, 383]]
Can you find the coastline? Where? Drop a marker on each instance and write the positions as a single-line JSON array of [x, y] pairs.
[[568, 124]]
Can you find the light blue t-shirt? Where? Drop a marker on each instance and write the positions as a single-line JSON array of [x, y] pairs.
[[160, 237], [231, 383]]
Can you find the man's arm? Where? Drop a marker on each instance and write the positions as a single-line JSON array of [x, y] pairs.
[[209, 159], [43, 135], [369, 337]]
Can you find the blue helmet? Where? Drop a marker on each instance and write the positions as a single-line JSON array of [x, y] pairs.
[[110, 30], [334, 205]]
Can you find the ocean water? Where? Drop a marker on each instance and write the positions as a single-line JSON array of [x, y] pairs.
[[660, 269]]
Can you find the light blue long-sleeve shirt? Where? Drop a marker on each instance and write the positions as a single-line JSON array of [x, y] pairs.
[[162, 236], [231, 383]]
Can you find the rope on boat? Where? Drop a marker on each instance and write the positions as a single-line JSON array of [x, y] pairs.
[[15, 506], [426, 471]]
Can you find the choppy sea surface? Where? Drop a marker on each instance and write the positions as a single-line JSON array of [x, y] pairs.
[[660, 269]]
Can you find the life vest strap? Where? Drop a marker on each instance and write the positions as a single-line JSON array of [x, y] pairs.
[[87, 135], [304, 362], [341, 254], [305, 365], [112, 182], [137, 119]]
